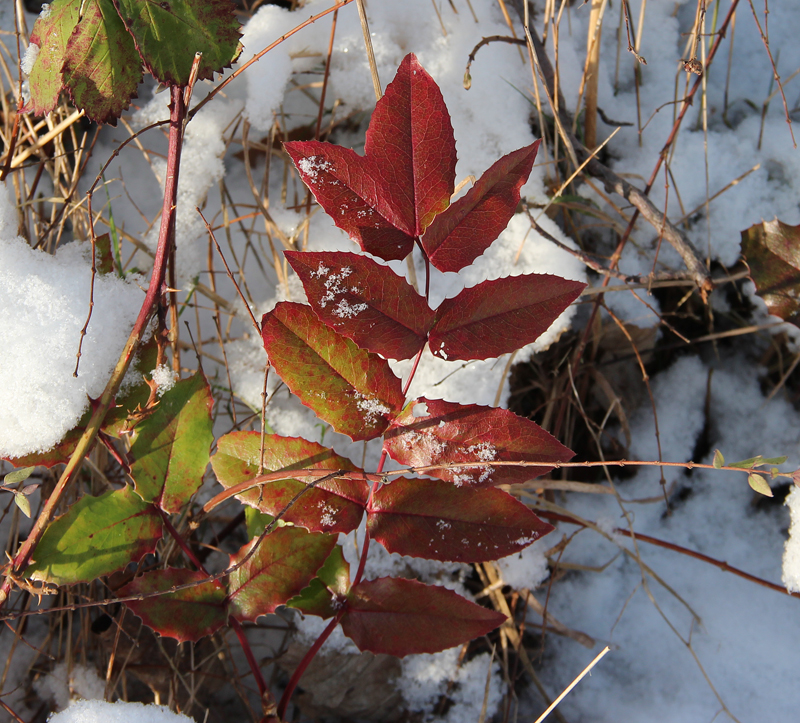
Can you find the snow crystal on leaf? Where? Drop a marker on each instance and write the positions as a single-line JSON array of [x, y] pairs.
[[347, 311]]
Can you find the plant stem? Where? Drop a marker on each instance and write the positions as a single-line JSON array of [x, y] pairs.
[[155, 291], [304, 663]]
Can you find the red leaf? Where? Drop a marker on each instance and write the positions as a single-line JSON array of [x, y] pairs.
[[347, 187], [437, 521], [471, 433], [364, 301], [188, 614], [468, 227], [500, 316], [333, 506], [410, 141], [404, 617], [286, 561], [352, 389]]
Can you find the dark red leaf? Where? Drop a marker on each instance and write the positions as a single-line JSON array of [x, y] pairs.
[[449, 432], [188, 614], [410, 141], [350, 388], [286, 561], [333, 506], [404, 617], [772, 252], [347, 187], [500, 316], [468, 227], [438, 521], [364, 301]]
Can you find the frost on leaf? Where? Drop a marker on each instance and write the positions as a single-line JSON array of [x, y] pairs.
[[464, 443]]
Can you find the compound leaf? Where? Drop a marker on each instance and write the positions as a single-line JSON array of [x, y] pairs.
[[352, 389], [404, 617], [285, 562], [457, 433], [468, 227], [438, 521], [170, 446], [169, 33], [336, 505], [95, 537], [500, 316], [410, 142], [347, 187], [101, 69], [364, 301], [188, 614]]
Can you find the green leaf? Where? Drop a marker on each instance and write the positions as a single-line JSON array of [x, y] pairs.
[[255, 522], [333, 579], [17, 476], [51, 32], [170, 32], [23, 503], [719, 460], [95, 537], [285, 562], [759, 484], [188, 614], [772, 460], [170, 447], [102, 69], [747, 463]]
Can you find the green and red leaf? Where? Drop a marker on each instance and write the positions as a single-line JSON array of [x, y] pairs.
[[346, 185], [188, 614], [772, 252], [404, 617], [336, 505], [364, 301], [170, 32], [95, 537], [283, 565], [169, 454], [51, 33], [326, 592], [102, 68], [439, 521], [445, 433], [497, 317], [410, 142], [468, 227], [350, 388]]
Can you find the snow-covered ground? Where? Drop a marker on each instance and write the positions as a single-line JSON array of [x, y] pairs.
[[689, 642]]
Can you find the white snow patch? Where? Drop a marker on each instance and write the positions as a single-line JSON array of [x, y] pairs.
[[791, 551], [98, 711], [165, 378]]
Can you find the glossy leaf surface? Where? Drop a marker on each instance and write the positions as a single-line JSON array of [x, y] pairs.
[[410, 141], [468, 227], [500, 316], [335, 505], [347, 187], [772, 252], [364, 301], [188, 614], [95, 537], [51, 33], [286, 561], [451, 432], [169, 33], [404, 617], [439, 521], [102, 69], [326, 592], [352, 389], [170, 447]]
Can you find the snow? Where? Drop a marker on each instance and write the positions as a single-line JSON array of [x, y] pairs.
[[98, 711]]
